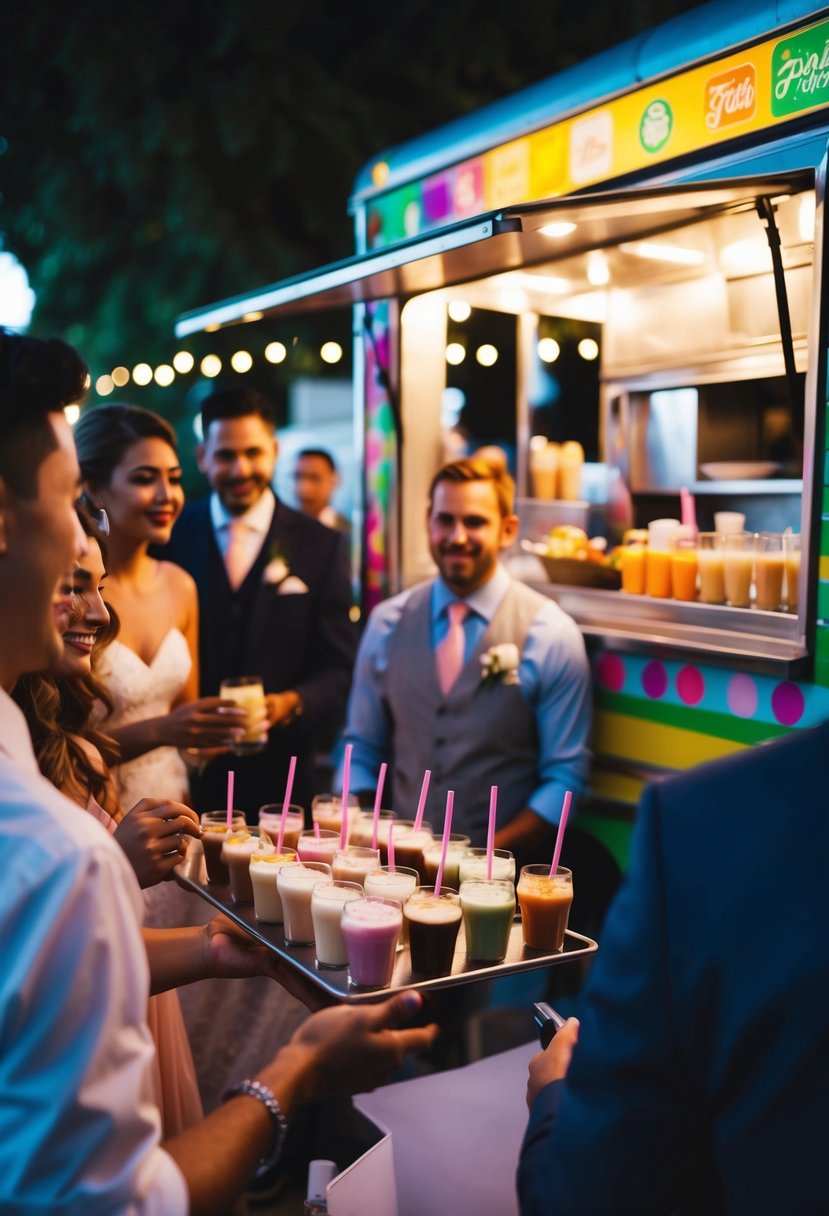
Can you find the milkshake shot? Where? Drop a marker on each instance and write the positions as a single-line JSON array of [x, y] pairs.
[[363, 833], [433, 919], [371, 928], [354, 862], [474, 865], [270, 817], [327, 902], [326, 810], [248, 693], [214, 828], [410, 842], [322, 847], [295, 883], [455, 850], [238, 848], [264, 868], [488, 910], [399, 884], [545, 901]]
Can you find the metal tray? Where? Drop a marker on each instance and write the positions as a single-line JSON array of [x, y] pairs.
[[191, 875]]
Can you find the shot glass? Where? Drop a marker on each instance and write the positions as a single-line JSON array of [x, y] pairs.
[[322, 847], [474, 865], [738, 567], [354, 862], [249, 693], [398, 884], [371, 928], [238, 848], [769, 568], [213, 831], [455, 849], [434, 918], [326, 810], [327, 902], [270, 817], [363, 832], [684, 568], [791, 549], [295, 883], [545, 901], [264, 868], [710, 567], [488, 909]]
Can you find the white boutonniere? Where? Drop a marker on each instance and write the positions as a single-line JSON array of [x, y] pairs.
[[292, 586], [500, 664], [277, 569]]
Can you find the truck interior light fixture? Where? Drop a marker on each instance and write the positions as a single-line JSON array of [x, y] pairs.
[[142, 374], [598, 270], [557, 229], [655, 251], [749, 256], [513, 299], [210, 366], [806, 217], [212, 329], [455, 353], [183, 362], [548, 351], [164, 375], [588, 348], [487, 354], [241, 361], [553, 284], [276, 352], [252, 316], [331, 352], [459, 311]]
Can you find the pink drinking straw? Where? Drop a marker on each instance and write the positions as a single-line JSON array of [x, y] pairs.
[[490, 835], [231, 776], [317, 829], [421, 805], [447, 828], [391, 847], [344, 800], [378, 797], [562, 823], [288, 791]]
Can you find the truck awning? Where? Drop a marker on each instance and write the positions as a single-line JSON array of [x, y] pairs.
[[499, 241]]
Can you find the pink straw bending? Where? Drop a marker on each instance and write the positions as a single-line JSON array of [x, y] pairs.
[[421, 804]]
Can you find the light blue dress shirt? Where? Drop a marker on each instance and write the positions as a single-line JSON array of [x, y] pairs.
[[554, 676]]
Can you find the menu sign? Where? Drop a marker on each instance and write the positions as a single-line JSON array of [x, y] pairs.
[[800, 71]]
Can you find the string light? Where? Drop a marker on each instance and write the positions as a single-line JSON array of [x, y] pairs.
[[210, 366], [276, 352], [142, 374], [183, 362], [120, 376], [486, 355], [104, 386], [455, 353], [331, 352], [164, 375], [241, 361]]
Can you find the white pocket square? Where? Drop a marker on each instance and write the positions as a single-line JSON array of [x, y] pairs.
[[292, 586]]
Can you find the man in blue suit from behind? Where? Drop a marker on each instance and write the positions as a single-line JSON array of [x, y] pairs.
[[700, 1080]]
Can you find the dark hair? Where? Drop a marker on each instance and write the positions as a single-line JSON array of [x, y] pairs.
[[104, 433], [57, 710], [321, 453], [38, 377], [471, 469], [236, 403]]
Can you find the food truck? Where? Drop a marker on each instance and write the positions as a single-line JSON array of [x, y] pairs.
[[661, 205]]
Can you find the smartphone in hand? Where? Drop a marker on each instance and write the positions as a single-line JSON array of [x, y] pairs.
[[547, 1022]]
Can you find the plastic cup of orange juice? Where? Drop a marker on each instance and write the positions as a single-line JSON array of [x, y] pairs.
[[684, 568]]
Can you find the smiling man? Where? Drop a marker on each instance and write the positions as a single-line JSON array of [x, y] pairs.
[[474, 676], [274, 600]]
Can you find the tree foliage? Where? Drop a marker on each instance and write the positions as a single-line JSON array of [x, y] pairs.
[[162, 155]]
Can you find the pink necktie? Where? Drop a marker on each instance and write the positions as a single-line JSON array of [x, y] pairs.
[[237, 560], [449, 654]]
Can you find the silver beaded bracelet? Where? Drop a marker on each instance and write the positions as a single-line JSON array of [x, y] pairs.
[[256, 1089]]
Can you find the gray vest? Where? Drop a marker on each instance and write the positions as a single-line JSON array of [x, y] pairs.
[[476, 737]]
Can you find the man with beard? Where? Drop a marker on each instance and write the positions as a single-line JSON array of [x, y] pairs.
[[274, 599], [474, 676]]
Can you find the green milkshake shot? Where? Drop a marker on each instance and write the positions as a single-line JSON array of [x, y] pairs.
[[488, 909]]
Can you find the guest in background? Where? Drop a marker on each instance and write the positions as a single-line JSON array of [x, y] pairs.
[[315, 481]]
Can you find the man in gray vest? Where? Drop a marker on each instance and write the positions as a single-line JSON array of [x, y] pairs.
[[474, 676]]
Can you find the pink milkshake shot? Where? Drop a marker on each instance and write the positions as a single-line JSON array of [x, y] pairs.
[[371, 928]]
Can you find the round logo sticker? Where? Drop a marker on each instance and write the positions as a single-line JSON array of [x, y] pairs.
[[656, 126]]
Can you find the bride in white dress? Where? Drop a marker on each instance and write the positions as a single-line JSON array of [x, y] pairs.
[[131, 468]]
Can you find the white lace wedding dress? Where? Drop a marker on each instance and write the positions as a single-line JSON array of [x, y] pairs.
[[234, 1026]]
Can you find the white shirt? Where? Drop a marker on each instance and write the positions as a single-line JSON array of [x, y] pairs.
[[79, 1131], [257, 523]]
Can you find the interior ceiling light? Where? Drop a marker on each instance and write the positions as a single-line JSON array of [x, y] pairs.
[[487, 354], [655, 251], [455, 353], [276, 352], [588, 348], [750, 256], [557, 228], [459, 311], [252, 316], [598, 270], [548, 350], [806, 217], [550, 283]]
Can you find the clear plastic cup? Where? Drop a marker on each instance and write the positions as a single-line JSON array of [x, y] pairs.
[[270, 817], [295, 883], [488, 909], [327, 902], [545, 902], [371, 928], [264, 869]]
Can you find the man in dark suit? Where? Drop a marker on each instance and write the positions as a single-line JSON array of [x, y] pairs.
[[700, 1080], [274, 601]]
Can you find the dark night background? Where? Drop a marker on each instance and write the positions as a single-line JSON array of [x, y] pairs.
[[156, 157]]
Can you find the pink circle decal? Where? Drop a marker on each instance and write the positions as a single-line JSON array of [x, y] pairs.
[[610, 672], [742, 696], [655, 679], [690, 685], [787, 704]]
